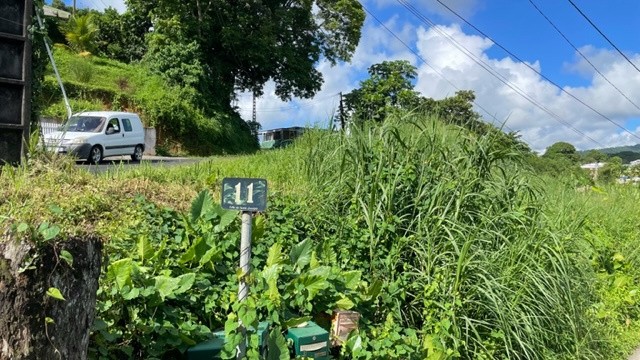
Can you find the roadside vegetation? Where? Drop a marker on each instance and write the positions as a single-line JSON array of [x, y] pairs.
[[446, 242]]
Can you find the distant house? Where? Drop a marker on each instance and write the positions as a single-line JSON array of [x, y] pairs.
[[634, 163], [276, 138], [53, 12], [593, 168]]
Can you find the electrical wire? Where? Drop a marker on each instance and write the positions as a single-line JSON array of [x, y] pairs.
[[603, 35], [419, 56], [582, 55], [539, 73], [492, 72]]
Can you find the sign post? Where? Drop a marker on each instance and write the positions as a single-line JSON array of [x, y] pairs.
[[247, 195]]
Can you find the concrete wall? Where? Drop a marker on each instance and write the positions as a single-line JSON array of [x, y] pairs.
[[150, 141]]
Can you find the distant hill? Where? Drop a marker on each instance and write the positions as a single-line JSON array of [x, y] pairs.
[[619, 149], [627, 153]]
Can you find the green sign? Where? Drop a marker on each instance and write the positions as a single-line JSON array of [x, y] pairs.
[[244, 194]]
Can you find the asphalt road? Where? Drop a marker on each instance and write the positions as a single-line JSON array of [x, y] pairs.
[[125, 161]]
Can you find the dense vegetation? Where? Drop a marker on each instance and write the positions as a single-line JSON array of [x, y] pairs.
[[445, 241], [94, 83]]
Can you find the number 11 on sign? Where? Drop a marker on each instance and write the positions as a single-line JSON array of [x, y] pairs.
[[244, 194], [249, 195]]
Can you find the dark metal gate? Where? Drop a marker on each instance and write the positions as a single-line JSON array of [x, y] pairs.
[[15, 78]]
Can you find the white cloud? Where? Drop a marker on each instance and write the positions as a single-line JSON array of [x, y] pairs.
[[538, 128], [375, 46]]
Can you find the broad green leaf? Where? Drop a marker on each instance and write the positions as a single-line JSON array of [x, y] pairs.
[[132, 294], [120, 271], [313, 284], [50, 232], [301, 253], [293, 322], [275, 254], [67, 257], [226, 219], [374, 289], [271, 274], [352, 279], [354, 342], [323, 271], [49, 320], [195, 252], [185, 282], [55, 209], [345, 304], [23, 227], [145, 250], [55, 293], [166, 285], [258, 228], [201, 205], [277, 345], [213, 254]]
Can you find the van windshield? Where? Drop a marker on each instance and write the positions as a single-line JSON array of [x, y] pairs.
[[93, 124]]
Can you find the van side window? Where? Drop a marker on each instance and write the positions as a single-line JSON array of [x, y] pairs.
[[126, 124], [114, 125]]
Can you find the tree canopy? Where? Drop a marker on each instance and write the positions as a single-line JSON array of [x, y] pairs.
[[240, 45], [389, 86]]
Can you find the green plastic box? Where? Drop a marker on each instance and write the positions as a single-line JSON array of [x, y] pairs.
[[211, 349], [310, 341]]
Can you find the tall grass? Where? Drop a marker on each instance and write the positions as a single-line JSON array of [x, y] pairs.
[[452, 224]]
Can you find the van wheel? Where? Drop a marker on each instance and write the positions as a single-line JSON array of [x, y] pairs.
[[137, 153], [95, 155]]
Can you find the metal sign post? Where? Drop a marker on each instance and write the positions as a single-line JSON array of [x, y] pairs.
[[248, 196]]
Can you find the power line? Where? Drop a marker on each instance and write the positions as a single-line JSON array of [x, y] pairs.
[[603, 35], [429, 65], [538, 72], [582, 54], [295, 107], [492, 72]]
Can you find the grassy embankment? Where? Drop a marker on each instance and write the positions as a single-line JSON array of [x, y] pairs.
[[94, 83], [446, 243]]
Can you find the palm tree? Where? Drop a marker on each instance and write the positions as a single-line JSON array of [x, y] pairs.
[[80, 32]]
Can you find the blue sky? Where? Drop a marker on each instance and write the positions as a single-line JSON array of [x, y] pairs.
[[517, 26]]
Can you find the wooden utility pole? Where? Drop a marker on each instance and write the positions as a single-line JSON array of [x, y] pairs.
[[74, 7]]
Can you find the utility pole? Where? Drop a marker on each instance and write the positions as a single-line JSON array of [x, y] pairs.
[[341, 112], [254, 116], [74, 7]]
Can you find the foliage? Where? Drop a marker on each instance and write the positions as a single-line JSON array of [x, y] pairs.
[[120, 36], [171, 280], [594, 156], [244, 46], [562, 149], [172, 109], [389, 86], [173, 56], [80, 32], [611, 171]]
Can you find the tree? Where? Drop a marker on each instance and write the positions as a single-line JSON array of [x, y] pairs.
[[611, 170], [243, 44], [388, 87], [80, 32], [594, 156], [562, 150], [121, 36]]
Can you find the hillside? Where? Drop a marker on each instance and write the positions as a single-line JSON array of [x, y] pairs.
[[94, 83]]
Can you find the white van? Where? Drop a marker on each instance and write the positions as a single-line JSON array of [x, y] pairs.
[[98, 134]]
